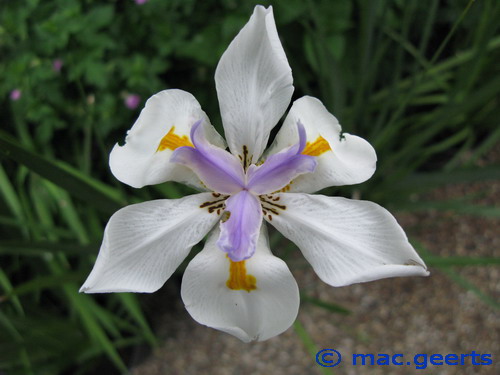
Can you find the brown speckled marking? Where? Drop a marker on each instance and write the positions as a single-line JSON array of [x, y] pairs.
[[246, 159], [217, 205], [269, 205]]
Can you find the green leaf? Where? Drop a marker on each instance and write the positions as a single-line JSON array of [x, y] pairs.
[[325, 305], [437, 261], [466, 284], [40, 283], [70, 179], [26, 248], [455, 276], [99, 17], [308, 342], [430, 180], [10, 195], [131, 303], [458, 206], [8, 288]]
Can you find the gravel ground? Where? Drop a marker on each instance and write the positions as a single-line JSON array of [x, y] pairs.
[[406, 315]]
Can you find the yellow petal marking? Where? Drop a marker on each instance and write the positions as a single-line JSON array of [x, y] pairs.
[[316, 148], [173, 141], [238, 278], [285, 189]]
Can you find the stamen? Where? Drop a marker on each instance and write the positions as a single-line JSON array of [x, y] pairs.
[[238, 278], [173, 141], [316, 148]]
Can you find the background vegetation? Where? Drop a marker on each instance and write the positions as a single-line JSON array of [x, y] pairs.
[[419, 79]]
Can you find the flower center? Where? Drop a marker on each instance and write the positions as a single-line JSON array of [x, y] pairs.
[[248, 186]]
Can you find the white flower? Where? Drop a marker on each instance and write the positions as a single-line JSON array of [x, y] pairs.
[[235, 284]]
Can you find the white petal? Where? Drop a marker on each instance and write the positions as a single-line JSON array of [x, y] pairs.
[[259, 314], [346, 161], [347, 241], [141, 161], [144, 243], [254, 84]]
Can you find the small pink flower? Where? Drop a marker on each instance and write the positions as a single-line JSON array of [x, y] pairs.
[[57, 65], [140, 2], [15, 94], [132, 101]]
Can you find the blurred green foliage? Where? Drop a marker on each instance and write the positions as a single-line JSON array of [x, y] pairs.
[[419, 79]]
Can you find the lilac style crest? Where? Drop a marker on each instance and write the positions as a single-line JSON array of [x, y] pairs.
[[223, 173]]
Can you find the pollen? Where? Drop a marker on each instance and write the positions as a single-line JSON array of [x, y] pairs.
[[316, 148], [238, 278], [173, 141]]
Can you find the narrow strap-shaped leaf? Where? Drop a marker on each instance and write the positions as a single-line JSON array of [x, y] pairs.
[[437, 261], [309, 344], [7, 287], [70, 179], [42, 248], [131, 303], [18, 338], [456, 277], [332, 307], [466, 284]]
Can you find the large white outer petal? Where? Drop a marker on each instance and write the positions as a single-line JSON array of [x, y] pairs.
[[352, 160], [347, 241], [138, 163], [256, 315], [254, 84], [144, 243]]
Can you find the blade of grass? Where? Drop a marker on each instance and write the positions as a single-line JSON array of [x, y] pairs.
[[444, 43], [26, 248], [309, 344], [430, 180], [389, 131], [436, 261], [17, 337], [457, 206], [68, 212], [440, 69], [131, 303], [43, 204], [427, 30], [83, 306], [109, 321], [70, 179], [491, 141], [87, 315], [11, 198], [456, 277], [8, 288], [466, 284], [39, 283], [334, 308], [470, 73]]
